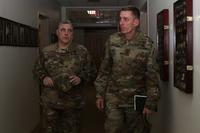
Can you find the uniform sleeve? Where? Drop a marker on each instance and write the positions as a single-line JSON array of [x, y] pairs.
[[88, 70], [39, 71], [152, 79], [104, 72]]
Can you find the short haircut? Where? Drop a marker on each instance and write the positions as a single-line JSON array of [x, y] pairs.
[[134, 10], [65, 22]]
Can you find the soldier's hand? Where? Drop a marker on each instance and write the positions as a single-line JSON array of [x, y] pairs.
[[100, 103], [75, 80], [47, 81], [147, 112]]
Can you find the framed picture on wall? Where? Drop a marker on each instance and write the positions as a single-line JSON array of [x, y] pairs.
[[1, 31], [21, 35], [15, 33], [163, 43], [183, 52], [27, 36], [8, 32], [34, 37]]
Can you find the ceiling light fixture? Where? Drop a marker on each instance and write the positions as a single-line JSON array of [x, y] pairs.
[[91, 12], [94, 13]]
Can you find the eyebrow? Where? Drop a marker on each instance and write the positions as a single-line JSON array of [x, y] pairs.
[[70, 29]]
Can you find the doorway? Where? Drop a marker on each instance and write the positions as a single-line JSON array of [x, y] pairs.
[[43, 30], [94, 41]]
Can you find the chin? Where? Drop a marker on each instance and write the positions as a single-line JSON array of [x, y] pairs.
[[66, 41], [123, 32]]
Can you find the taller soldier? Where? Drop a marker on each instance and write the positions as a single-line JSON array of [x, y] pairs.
[[63, 68], [129, 68]]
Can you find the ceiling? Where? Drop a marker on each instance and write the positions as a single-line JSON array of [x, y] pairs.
[[92, 3], [106, 11]]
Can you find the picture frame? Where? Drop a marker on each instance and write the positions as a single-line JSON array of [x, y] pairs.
[[2, 31], [26, 36], [8, 33], [163, 43], [21, 35], [16, 34], [183, 41], [34, 37]]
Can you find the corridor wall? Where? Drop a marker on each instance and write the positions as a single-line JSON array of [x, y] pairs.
[[19, 95], [178, 111]]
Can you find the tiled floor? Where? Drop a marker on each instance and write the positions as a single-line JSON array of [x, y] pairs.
[[92, 120]]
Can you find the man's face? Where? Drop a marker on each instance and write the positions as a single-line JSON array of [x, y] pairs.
[[128, 22], [65, 33]]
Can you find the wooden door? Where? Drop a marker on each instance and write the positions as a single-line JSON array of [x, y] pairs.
[[92, 119], [95, 42]]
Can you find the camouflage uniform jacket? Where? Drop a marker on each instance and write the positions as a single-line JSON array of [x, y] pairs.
[[129, 68], [59, 64]]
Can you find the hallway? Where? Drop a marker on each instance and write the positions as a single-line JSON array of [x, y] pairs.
[[92, 118]]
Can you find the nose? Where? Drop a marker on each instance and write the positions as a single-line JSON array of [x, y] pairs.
[[121, 22], [66, 33]]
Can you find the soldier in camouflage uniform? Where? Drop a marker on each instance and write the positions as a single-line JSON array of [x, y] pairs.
[[63, 68], [129, 68]]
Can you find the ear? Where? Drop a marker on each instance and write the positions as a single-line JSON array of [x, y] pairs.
[[136, 22]]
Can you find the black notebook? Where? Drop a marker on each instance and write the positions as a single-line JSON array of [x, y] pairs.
[[139, 102]]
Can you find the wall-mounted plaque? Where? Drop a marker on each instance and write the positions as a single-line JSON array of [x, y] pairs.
[[21, 35], [8, 33], [16, 34], [1, 31], [163, 43], [183, 52], [34, 37]]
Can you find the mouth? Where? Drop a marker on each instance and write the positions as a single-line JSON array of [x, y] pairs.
[[122, 29], [66, 38]]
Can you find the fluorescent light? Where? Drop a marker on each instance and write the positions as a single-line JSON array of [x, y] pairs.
[[92, 12]]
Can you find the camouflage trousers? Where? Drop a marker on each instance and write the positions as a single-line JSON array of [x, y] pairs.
[[125, 120], [61, 121]]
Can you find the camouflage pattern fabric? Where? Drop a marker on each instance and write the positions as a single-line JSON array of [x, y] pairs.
[[125, 120], [63, 97], [61, 121], [129, 68]]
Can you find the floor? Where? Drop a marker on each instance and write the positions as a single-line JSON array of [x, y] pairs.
[[91, 119]]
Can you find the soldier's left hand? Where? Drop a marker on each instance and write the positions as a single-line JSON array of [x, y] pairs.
[[75, 80], [147, 112]]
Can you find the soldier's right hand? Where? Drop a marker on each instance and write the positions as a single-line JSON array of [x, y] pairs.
[[48, 82], [100, 103]]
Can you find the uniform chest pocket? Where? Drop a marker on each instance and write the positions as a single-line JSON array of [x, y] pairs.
[[52, 60], [140, 58]]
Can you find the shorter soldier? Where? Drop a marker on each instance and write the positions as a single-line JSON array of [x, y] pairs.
[[62, 68], [129, 68]]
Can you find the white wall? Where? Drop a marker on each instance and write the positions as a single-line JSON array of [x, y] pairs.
[[178, 112], [19, 97]]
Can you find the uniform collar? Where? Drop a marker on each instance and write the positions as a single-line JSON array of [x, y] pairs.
[[133, 40], [71, 47]]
